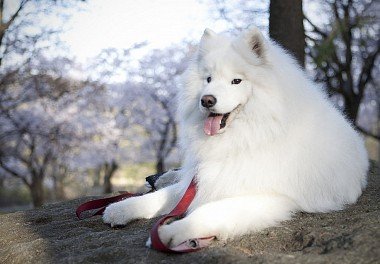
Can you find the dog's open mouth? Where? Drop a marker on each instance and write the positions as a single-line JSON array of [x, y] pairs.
[[215, 122]]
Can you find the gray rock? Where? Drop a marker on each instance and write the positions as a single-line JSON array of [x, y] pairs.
[[53, 234]]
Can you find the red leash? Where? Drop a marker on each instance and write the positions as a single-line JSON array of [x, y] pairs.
[[190, 245], [101, 204], [178, 212]]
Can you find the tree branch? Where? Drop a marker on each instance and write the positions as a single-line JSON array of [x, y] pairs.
[[367, 133], [14, 173], [5, 26], [314, 40], [315, 28], [346, 30], [368, 64]]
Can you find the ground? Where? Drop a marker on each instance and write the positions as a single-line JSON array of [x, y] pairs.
[[53, 234]]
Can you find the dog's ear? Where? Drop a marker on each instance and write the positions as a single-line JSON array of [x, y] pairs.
[[255, 41], [208, 33], [208, 41]]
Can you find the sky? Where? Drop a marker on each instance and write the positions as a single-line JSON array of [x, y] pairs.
[[101, 24], [121, 23]]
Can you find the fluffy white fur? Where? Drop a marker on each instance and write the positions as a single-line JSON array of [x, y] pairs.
[[285, 147]]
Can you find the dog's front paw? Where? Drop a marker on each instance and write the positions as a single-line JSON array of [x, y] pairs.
[[170, 235], [118, 214], [178, 232]]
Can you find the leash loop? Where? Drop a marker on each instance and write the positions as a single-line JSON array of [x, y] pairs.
[[190, 245]]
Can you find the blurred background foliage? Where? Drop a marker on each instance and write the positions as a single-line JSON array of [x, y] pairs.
[[70, 128]]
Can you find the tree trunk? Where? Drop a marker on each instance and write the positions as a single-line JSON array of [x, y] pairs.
[[109, 171], [160, 165], [286, 26], [107, 186], [160, 162], [351, 108], [37, 191], [59, 190], [59, 175], [97, 176]]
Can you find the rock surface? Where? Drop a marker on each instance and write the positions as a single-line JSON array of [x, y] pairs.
[[53, 234]]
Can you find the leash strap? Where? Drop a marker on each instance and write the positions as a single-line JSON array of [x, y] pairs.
[[178, 212], [101, 204]]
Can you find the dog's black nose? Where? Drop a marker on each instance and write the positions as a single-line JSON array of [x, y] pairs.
[[208, 101]]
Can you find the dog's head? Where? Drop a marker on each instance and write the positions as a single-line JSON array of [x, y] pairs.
[[224, 66], [227, 77]]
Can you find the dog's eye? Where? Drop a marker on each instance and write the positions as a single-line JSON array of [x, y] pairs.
[[235, 81], [208, 79]]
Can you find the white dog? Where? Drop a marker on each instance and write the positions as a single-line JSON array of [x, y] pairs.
[[262, 140]]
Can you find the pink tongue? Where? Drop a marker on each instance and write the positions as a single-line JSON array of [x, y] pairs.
[[212, 125]]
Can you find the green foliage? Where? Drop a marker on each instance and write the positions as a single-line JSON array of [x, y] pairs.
[[324, 51]]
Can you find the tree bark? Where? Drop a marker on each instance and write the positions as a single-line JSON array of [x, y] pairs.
[[59, 190], [351, 108], [37, 191], [160, 165], [109, 171], [97, 176], [286, 26], [160, 161], [107, 186]]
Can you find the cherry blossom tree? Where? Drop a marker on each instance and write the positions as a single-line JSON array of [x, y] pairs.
[[161, 79], [145, 102], [38, 129]]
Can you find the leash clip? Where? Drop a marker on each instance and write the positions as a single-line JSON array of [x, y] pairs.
[[193, 243]]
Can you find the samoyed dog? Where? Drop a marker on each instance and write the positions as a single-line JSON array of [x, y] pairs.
[[262, 141]]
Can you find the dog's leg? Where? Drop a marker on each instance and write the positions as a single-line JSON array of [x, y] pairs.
[[145, 206], [228, 218]]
